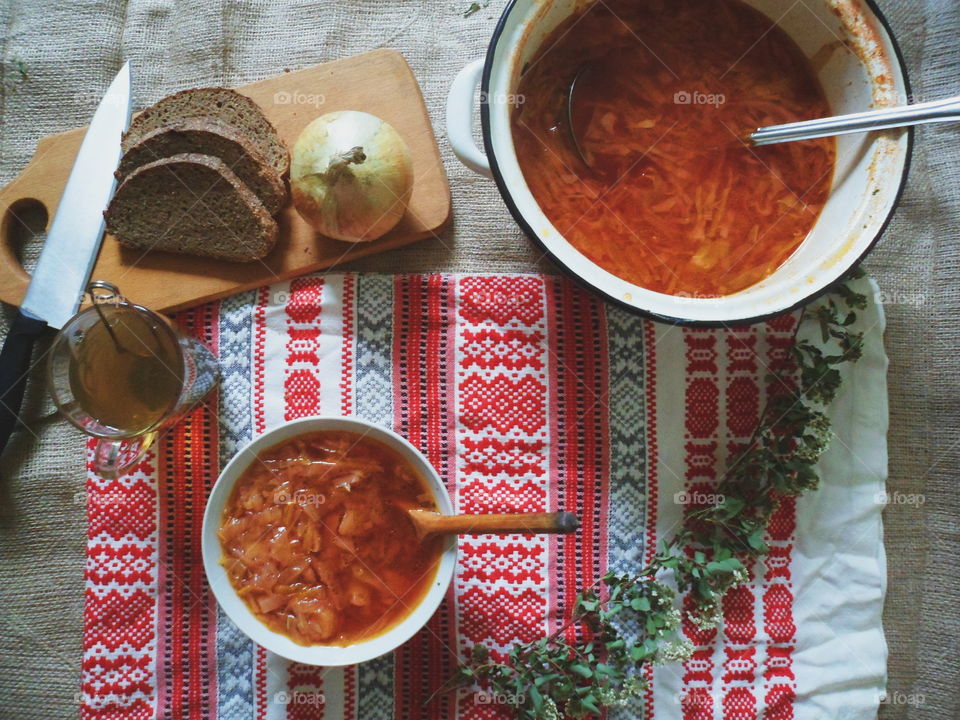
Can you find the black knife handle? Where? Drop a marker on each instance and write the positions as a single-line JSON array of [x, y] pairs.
[[14, 367]]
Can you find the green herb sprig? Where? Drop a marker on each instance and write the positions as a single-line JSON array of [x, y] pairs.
[[475, 7], [626, 622]]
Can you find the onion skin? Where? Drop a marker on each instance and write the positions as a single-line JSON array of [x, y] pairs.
[[351, 175]]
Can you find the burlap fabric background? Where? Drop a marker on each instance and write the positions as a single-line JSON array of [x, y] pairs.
[[57, 58]]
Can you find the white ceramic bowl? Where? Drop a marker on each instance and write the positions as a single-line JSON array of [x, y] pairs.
[[864, 71], [237, 610]]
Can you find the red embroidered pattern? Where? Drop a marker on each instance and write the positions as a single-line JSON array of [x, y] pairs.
[[742, 413], [514, 457], [301, 385], [349, 692], [779, 682], [188, 461], [258, 370], [257, 366], [502, 459], [119, 639], [653, 494], [512, 349], [423, 358], [510, 561], [723, 397], [578, 348], [740, 665], [346, 360], [260, 683], [701, 425], [305, 691]]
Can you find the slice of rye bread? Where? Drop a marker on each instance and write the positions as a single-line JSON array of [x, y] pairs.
[[196, 135], [221, 105], [194, 204]]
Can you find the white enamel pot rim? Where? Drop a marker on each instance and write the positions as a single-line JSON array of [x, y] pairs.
[[813, 270], [237, 610]]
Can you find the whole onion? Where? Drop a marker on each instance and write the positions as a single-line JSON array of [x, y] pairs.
[[351, 175]]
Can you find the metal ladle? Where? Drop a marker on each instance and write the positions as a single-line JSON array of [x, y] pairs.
[[573, 134], [946, 110]]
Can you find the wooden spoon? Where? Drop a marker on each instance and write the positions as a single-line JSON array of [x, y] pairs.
[[433, 523]]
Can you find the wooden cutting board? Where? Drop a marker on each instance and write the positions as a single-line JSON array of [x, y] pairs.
[[378, 82]]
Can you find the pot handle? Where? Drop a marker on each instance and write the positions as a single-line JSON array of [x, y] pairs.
[[461, 105]]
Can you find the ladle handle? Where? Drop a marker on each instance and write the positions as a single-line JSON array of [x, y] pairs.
[[946, 110], [434, 523]]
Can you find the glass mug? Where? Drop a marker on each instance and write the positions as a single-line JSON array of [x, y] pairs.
[[122, 373]]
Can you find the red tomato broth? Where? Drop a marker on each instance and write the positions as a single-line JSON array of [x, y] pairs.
[[317, 541], [675, 202]]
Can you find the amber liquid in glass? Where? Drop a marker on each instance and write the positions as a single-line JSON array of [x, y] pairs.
[[129, 375]]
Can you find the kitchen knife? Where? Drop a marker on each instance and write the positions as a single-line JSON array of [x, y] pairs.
[[57, 285]]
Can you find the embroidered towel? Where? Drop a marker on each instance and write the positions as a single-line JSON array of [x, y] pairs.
[[526, 393]]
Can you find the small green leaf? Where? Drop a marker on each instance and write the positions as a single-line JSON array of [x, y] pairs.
[[640, 604], [755, 540], [536, 698], [581, 670], [590, 704]]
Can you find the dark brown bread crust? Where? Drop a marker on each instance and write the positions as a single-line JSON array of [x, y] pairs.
[[191, 203], [220, 105], [208, 137]]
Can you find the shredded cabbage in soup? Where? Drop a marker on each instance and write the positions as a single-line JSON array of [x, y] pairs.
[[674, 200], [317, 541]]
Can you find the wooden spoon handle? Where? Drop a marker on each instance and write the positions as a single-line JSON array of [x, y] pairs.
[[431, 523]]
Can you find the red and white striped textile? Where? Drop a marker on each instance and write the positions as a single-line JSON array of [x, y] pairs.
[[526, 393]]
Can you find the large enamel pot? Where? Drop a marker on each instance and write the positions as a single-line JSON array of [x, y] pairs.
[[863, 69]]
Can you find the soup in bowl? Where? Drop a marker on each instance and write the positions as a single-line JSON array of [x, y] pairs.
[[665, 209], [308, 547]]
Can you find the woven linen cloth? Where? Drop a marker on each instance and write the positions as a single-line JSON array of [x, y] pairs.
[[526, 393], [68, 51]]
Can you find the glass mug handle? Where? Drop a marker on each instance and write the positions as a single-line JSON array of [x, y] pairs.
[[114, 457]]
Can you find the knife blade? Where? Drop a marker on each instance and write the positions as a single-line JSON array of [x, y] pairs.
[[67, 258]]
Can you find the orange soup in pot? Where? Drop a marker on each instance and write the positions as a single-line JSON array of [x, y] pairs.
[[670, 197]]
